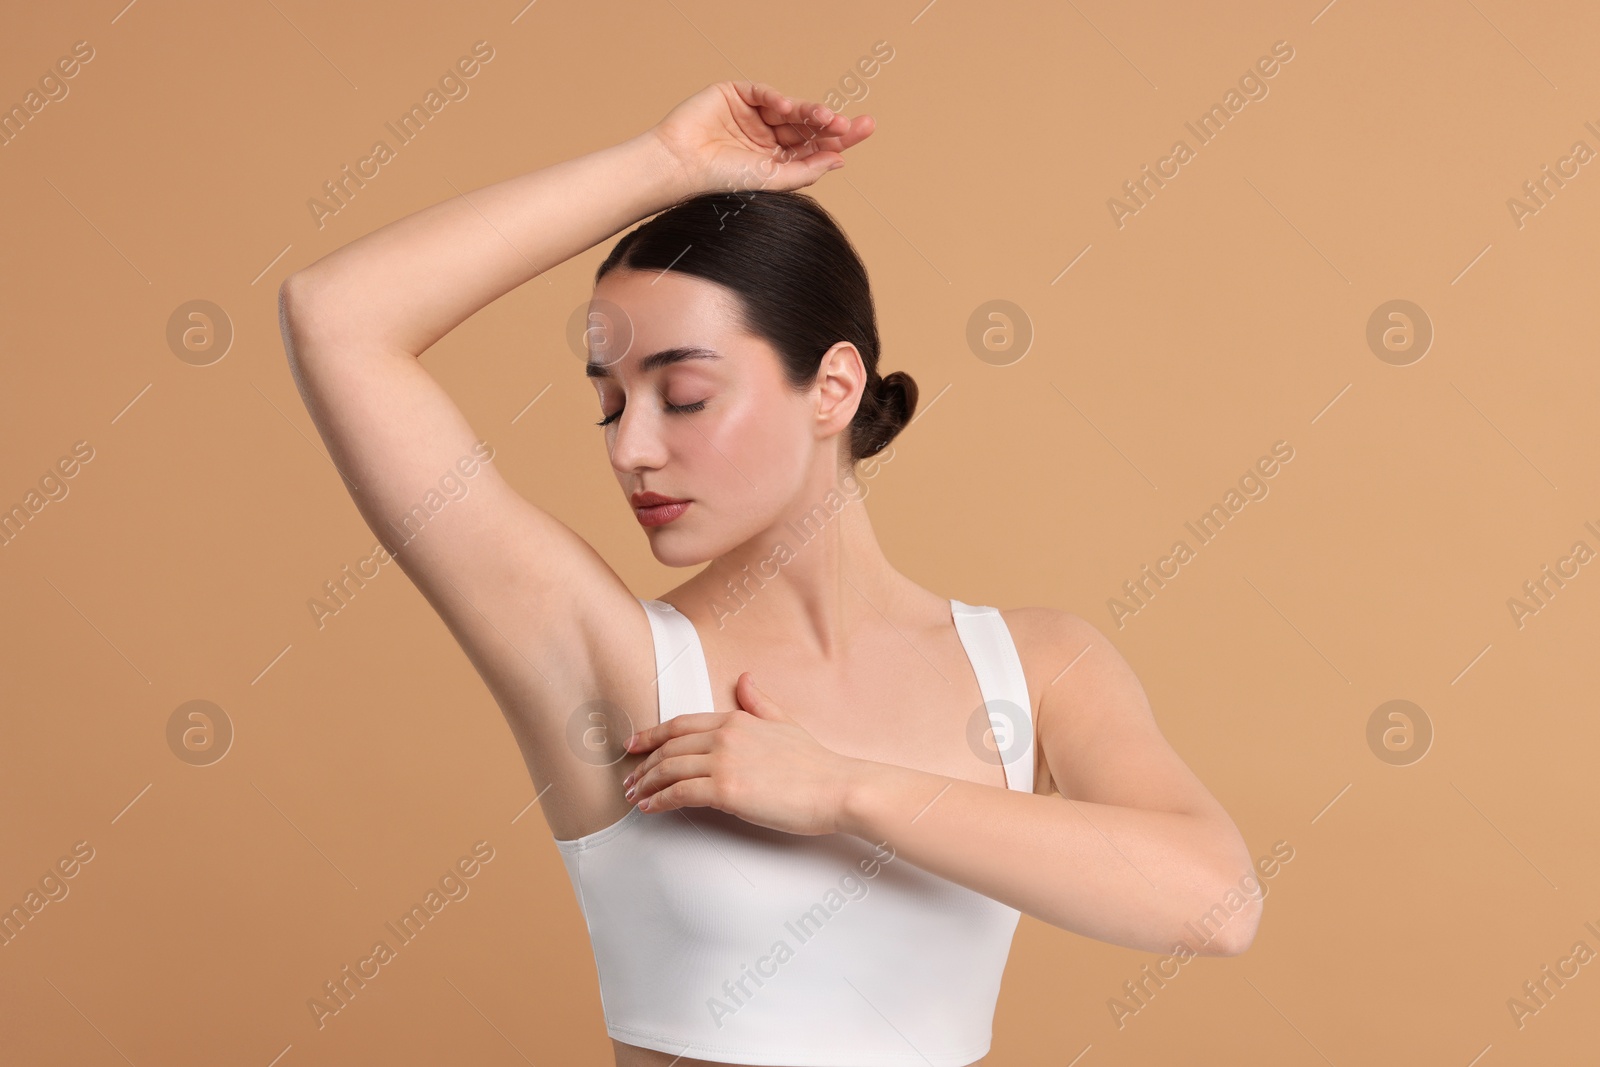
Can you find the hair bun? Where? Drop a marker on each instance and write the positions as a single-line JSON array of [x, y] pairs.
[[796, 282], [893, 401]]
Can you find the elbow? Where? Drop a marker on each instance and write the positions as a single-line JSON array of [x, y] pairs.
[[303, 330], [1234, 900], [299, 317], [1237, 937], [1225, 920], [283, 310], [319, 310], [292, 299], [285, 303]]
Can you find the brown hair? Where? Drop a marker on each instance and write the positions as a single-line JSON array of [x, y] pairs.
[[799, 283]]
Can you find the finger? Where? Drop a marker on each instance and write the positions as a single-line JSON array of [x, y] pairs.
[[690, 793], [858, 130], [803, 152], [755, 701], [773, 105], [808, 122], [778, 110], [836, 137], [811, 112], [677, 746], [677, 726], [798, 170], [778, 114], [668, 771], [764, 108]]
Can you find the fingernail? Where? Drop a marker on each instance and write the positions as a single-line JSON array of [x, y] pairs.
[[631, 739], [629, 794], [836, 164], [628, 781]]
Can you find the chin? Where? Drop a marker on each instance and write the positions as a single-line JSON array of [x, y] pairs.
[[678, 548], [679, 545], [680, 559]]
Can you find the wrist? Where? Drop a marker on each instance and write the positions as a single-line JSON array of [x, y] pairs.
[[855, 791], [668, 175]]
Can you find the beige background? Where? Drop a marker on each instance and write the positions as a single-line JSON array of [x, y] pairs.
[[1229, 313]]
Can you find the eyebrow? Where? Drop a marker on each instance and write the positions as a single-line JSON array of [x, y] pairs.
[[655, 360]]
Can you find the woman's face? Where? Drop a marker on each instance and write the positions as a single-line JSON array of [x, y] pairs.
[[713, 423]]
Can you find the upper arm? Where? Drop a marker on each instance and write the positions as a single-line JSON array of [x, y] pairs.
[[1097, 731], [523, 593], [1102, 746]]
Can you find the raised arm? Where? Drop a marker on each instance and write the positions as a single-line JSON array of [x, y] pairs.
[[514, 584], [528, 599]]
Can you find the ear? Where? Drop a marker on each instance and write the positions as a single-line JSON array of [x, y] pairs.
[[841, 381]]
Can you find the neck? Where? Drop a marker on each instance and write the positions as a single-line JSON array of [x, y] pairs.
[[809, 580]]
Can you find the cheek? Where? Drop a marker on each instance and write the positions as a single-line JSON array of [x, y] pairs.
[[755, 447]]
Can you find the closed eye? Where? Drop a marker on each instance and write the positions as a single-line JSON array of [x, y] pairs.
[[676, 409]]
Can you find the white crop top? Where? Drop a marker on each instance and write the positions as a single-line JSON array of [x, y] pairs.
[[721, 940]]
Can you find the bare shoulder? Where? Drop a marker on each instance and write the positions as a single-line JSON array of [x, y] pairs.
[[1098, 739], [1034, 623], [1049, 641], [1044, 638], [1053, 643]]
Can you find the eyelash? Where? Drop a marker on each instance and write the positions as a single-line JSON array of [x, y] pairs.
[[677, 409]]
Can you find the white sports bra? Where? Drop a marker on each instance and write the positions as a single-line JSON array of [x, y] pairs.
[[723, 940]]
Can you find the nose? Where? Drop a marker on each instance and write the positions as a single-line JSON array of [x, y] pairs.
[[636, 442]]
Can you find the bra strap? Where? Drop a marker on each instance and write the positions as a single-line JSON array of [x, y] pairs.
[[683, 684], [988, 642]]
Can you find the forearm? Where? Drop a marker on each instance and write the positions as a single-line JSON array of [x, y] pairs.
[[407, 284], [1141, 879]]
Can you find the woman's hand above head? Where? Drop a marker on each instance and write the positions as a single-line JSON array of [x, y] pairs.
[[744, 135], [755, 763]]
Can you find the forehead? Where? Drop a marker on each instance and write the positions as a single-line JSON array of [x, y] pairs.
[[639, 321]]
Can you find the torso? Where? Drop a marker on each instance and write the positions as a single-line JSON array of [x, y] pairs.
[[904, 695]]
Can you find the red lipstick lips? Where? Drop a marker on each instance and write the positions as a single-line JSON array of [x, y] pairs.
[[653, 509]]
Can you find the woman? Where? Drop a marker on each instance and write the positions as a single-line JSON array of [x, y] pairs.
[[827, 866]]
